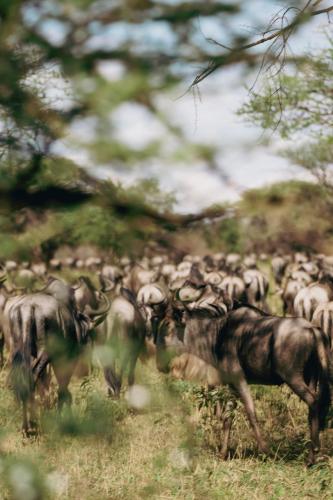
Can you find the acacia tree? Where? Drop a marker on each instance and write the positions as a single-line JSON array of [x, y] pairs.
[[156, 45], [299, 108]]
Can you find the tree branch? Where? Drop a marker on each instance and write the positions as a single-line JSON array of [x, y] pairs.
[[284, 32]]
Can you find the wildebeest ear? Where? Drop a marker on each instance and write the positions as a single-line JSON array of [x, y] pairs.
[[128, 295]]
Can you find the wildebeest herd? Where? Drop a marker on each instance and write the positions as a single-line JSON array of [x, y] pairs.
[[203, 318]]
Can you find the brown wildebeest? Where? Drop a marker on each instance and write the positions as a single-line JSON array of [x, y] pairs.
[[250, 347]]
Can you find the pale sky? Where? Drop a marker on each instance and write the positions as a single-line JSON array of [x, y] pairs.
[[244, 159]]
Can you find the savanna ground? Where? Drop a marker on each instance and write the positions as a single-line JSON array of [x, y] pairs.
[[106, 450]]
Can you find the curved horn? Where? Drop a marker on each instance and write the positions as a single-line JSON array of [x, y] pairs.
[[92, 313], [106, 283]]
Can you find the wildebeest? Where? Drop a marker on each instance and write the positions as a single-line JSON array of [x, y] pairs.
[[233, 287], [85, 294], [123, 335], [310, 297], [279, 265], [42, 328], [138, 277], [249, 347], [256, 287], [292, 287], [4, 295], [323, 317]]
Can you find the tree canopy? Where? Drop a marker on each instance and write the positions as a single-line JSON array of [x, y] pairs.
[[77, 62], [299, 107]]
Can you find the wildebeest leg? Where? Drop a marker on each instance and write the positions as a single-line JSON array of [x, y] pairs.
[[133, 357], [309, 397], [32, 419], [63, 373], [29, 426], [112, 380], [43, 387], [131, 369], [25, 424], [2, 346], [244, 393], [227, 424]]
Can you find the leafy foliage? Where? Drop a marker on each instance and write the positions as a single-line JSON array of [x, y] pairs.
[[300, 108]]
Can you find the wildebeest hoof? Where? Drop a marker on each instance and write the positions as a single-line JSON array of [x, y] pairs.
[[224, 455], [264, 453], [32, 432], [318, 460], [113, 394]]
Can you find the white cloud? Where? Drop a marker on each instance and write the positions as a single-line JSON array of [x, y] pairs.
[[244, 159]]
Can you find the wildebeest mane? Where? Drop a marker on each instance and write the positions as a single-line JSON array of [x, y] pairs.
[[237, 304]]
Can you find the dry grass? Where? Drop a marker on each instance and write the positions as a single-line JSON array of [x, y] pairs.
[[160, 452], [105, 450]]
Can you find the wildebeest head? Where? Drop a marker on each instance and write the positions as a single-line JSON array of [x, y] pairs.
[[198, 304], [98, 314], [85, 294]]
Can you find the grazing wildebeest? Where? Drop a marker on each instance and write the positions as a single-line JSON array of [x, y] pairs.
[[249, 347], [40, 329]]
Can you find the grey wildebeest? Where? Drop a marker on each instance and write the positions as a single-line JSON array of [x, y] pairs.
[[279, 265], [310, 297], [234, 287], [249, 347], [257, 286], [40, 329], [292, 287], [323, 317], [4, 295], [122, 335]]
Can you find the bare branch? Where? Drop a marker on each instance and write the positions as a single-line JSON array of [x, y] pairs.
[[284, 32]]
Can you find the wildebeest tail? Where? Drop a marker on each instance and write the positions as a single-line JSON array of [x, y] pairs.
[[324, 319], [324, 357], [20, 375]]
